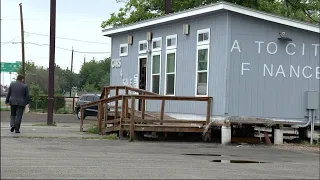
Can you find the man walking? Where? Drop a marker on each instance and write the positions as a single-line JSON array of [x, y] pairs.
[[17, 97]]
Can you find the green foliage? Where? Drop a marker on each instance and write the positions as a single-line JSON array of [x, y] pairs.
[[92, 130], [59, 102], [35, 92], [94, 75], [64, 79], [42, 102], [112, 136], [89, 87], [138, 10], [45, 124], [4, 109]]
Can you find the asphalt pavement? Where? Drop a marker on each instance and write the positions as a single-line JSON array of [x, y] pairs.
[[62, 152], [42, 117]]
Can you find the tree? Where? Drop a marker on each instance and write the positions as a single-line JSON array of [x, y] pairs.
[[94, 75], [138, 10], [64, 79], [35, 93]]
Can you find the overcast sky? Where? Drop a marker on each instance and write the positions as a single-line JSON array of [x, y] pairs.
[[76, 19]]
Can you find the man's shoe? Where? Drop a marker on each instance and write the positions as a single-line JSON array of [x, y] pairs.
[[17, 131], [12, 129]]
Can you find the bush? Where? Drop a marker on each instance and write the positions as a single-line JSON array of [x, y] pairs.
[[93, 130], [59, 102], [64, 111], [42, 103]]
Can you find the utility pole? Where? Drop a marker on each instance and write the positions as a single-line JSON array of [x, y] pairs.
[[22, 41], [51, 61], [71, 69], [71, 60], [84, 59], [168, 6]]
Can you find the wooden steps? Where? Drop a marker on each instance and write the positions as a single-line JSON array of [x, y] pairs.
[[123, 116]]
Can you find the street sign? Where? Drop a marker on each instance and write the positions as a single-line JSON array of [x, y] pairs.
[[10, 67]]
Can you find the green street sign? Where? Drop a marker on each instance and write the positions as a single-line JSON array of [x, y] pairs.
[[10, 67]]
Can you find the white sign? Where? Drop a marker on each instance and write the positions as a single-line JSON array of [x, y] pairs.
[[116, 63], [291, 49]]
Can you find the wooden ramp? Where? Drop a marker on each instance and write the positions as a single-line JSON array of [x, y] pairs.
[[126, 118]]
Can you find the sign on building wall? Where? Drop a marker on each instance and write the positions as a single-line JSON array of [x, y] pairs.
[[116, 63], [291, 49]]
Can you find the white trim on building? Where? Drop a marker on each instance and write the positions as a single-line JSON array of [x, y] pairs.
[[159, 39], [146, 47], [124, 53], [203, 32], [211, 8], [157, 53], [171, 37], [202, 47], [171, 51]]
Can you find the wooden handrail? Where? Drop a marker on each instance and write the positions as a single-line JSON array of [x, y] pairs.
[[149, 97], [132, 119], [143, 96], [126, 88], [173, 98], [106, 100]]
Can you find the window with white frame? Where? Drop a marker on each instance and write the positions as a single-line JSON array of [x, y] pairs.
[[156, 72], [143, 47], [202, 70], [123, 50], [156, 44], [203, 36], [171, 42], [170, 82]]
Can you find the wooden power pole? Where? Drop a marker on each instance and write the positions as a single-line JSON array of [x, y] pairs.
[[51, 61], [71, 60], [71, 68], [22, 41]]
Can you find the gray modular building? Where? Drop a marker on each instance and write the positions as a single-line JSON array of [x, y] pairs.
[[252, 63]]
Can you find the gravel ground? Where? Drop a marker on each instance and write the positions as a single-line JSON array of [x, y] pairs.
[[299, 147]]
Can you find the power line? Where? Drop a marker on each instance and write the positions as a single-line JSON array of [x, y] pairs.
[[83, 52], [6, 19], [67, 38], [10, 41]]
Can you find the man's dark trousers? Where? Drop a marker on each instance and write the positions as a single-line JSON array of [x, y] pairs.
[[16, 116]]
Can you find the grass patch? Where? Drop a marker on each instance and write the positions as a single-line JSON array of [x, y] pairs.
[[92, 130], [64, 111], [44, 124], [307, 144], [4, 109], [110, 136]]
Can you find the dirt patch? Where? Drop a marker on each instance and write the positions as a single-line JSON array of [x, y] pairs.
[[299, 147]]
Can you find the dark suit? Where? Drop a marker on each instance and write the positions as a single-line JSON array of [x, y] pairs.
[[18, 97]]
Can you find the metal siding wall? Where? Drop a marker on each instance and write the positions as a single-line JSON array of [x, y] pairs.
[[186, 62], [271, 97]]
